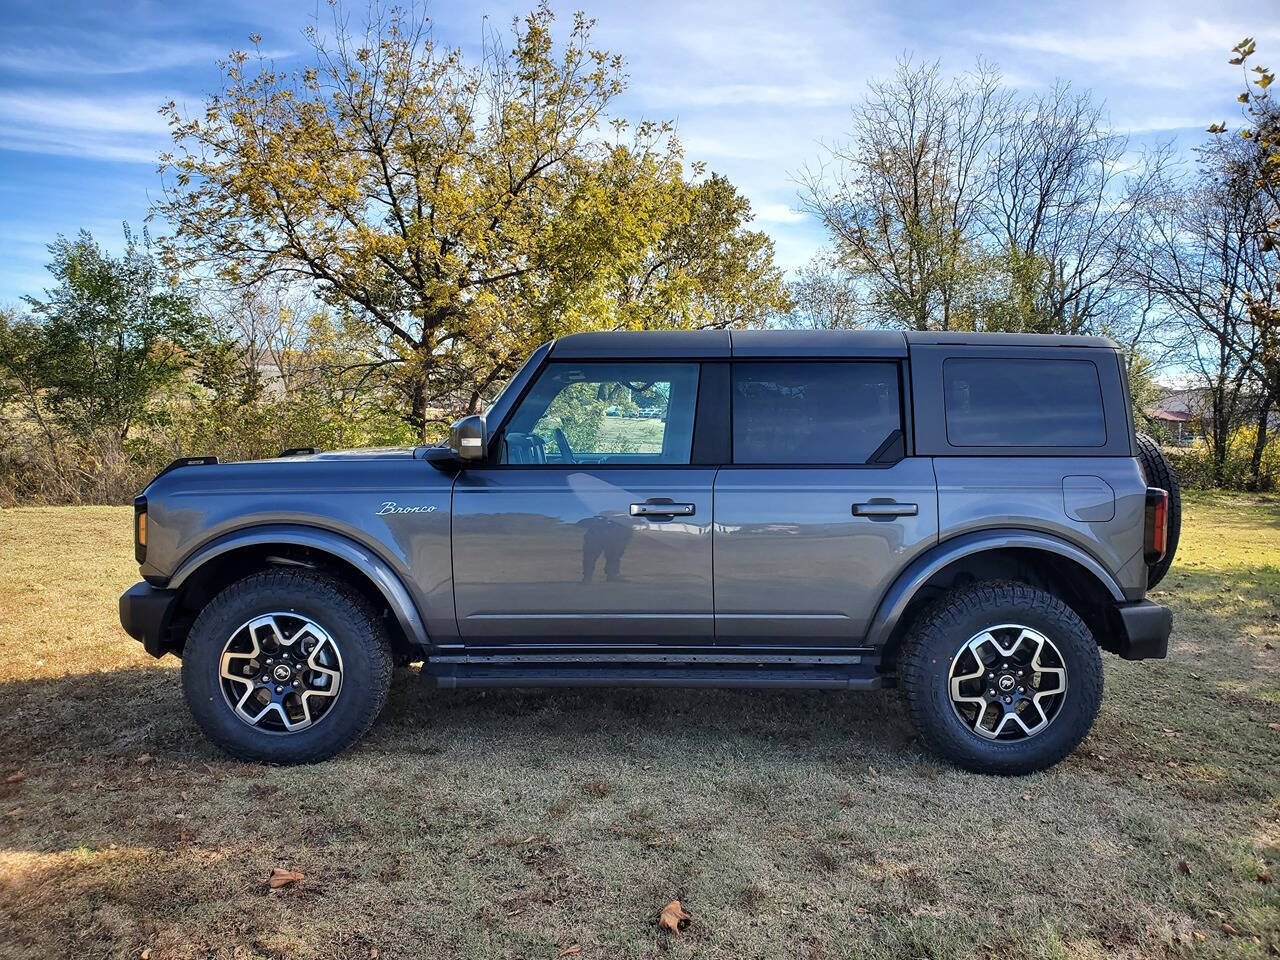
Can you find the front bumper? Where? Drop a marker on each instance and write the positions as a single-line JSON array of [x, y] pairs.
[[1145, 629], [145, 614]]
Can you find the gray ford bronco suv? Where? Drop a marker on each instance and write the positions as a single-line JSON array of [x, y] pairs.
[[968, 517]]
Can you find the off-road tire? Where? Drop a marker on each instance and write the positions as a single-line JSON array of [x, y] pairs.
[[367, 664], [944, 628], [1159, 473]]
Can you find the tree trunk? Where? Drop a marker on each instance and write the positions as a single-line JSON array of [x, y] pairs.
[[418, 408], [1259, 445], [1220, 428]]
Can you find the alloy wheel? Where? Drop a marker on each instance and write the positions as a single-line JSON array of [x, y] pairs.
[[1008, 682], [281, 672]]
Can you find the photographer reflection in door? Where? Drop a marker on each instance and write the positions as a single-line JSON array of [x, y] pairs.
[[607, 534]]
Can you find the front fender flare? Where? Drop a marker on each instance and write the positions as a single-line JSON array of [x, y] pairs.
[[904, 588], [379, 572]]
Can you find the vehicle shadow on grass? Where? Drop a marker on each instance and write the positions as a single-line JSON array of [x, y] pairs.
[[123, 714]]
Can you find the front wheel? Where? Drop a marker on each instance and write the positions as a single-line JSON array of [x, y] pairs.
[[1001, 678], [286, 666]]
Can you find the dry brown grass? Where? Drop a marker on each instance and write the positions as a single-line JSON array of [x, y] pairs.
[[518, 823]]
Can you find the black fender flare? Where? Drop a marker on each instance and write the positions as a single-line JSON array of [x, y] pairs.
[[379, 572], [896, 599]]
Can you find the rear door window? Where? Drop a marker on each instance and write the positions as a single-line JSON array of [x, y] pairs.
[[993, 402], [813, 412]]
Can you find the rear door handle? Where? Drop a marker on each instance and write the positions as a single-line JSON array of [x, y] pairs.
[[885, 509], [662, 509]]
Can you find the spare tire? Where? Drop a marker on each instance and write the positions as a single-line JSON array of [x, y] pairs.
[[1159, 473]]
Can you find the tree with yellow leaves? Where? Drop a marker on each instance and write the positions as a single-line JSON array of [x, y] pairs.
[[464, 212]]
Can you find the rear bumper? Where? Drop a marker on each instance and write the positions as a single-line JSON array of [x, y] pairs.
[[1145, 629], [145, 614]]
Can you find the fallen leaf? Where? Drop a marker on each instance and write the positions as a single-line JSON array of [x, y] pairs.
[[145, 954], [569, 951], [673, 917], [872, 771], [144, 759], [1229, 930], [1264, 876], [15, 777], [1184, 868], [280, 877], [1199, 936], [373, 953]]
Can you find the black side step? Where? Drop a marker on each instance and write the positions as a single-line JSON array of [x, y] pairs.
[[508, 672]]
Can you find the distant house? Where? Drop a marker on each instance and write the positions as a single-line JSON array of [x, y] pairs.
[[1186, 414], [1178, 425]]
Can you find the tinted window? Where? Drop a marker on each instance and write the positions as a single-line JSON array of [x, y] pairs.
[[813, 412], [605, 413], [1023, 403]]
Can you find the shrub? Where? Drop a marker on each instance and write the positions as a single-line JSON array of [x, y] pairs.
[[1194, 465]]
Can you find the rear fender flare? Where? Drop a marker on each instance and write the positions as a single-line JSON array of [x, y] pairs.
[[379, 572], [896, 599]]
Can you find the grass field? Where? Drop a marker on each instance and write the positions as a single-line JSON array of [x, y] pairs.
[[524, 823]]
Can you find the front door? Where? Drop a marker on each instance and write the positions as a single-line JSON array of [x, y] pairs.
[[820, 509], [590, 524]]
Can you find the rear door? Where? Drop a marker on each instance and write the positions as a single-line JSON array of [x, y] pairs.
[[592, 524], [821, 507]]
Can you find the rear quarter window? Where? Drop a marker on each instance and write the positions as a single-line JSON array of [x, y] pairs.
[[995, 402]]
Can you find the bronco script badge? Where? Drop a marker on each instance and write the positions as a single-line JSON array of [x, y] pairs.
[[390, 506]]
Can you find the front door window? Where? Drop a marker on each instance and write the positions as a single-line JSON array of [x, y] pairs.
[[605, 414]]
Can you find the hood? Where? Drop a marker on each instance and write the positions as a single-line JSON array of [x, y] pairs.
[[358, 453]]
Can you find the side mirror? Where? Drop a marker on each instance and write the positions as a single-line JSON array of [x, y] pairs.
[[467, 439]]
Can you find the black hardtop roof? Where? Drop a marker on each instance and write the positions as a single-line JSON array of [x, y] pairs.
[[809, 344]]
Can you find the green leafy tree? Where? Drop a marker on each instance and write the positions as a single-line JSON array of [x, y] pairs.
[[106, 339], [462, 211]]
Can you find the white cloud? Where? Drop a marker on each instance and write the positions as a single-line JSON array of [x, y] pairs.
[[778, 213], [802, 94], [1118, 43], [1164, 54], [59, 60], [109, 127]]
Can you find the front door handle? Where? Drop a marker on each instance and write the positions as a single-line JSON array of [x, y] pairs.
[[885, 508], [664, 508]]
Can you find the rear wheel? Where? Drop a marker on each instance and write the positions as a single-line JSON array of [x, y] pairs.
[[1001, 678], [1159, 473], [286, 666]]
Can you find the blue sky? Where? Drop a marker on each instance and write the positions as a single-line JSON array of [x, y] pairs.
[[753, 87]]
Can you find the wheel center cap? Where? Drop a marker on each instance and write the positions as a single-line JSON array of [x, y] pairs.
[[1007, 682], [282, 672]]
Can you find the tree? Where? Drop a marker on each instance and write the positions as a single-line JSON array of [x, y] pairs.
[[1259, 167], [824, 295], [107, 338], [462, 212], [1207, 265], [960, 205], [902, 196], [1066, 210]]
